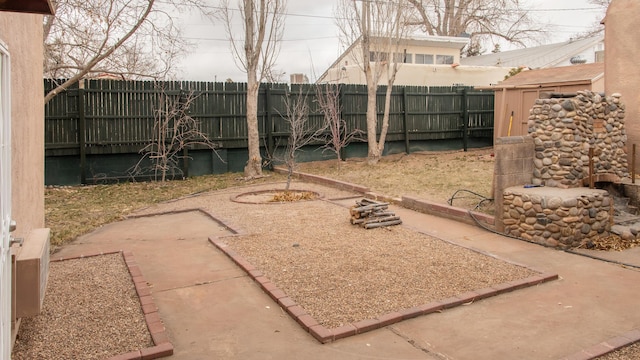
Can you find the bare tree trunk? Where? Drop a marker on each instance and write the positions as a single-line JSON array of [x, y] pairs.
[[254, 164], [263, 25], [379, 28], [385, 117], [374, 153]]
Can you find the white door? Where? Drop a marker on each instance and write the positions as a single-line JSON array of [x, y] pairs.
[[5, 205]]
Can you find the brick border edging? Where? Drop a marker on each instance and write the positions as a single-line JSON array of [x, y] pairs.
[[226, 224], [325, 335], [408, 202], [162, 346], [606, 346], [324, 180]]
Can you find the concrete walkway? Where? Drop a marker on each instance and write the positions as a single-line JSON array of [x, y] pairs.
[[213, 310]]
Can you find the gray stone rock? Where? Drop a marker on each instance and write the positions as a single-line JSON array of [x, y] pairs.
[[554, 202], [585, 229]]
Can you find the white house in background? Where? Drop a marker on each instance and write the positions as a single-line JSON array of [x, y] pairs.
[[426, 61], [583, 51]]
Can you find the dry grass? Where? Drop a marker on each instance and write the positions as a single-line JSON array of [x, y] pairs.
[[609, 243], [287, 196], [74, 211], [434, 176]]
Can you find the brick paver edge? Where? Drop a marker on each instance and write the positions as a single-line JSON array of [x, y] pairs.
[[162, 346], [606, 346], [325, 335]]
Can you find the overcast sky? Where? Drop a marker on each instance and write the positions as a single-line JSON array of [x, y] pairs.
[[311, 40]]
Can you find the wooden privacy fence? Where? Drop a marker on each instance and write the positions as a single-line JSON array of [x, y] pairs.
[[117, 117]]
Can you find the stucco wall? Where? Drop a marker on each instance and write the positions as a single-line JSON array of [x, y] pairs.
[[622, 73], [22, 33]]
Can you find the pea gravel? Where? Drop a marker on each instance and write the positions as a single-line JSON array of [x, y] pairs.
[[91, 311], [341, 273], [631, 352]]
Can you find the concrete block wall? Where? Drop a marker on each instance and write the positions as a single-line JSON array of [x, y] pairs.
[[513, 166]]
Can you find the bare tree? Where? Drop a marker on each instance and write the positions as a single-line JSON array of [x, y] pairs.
[[173, 131], [127, 38], [301, 133], [596, 27], [482, 19], [256, 53], [604, 4], [337, 135], [379, 27]]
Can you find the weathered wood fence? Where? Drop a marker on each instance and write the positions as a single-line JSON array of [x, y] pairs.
[[108, 117]]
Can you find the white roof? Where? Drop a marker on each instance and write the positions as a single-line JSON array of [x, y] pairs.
[[535, 57]]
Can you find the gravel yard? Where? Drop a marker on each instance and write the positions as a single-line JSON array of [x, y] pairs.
[[631, 352], [341, 273], [91, 311]]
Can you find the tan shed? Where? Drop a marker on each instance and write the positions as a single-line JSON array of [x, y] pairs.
[[517, 94]]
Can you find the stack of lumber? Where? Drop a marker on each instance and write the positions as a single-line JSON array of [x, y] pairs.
[[370, 214]]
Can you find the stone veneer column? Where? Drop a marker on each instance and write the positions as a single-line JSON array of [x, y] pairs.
[[565, 129]]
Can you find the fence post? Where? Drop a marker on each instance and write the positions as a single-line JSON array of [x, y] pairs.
[[268, 121], [405, 126], [82, 132], [185, 150], [343, 150], [465, 119]]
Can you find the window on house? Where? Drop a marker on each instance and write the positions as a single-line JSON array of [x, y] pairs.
[[408, 59], [444, 59], [377, 56], [402, 58], [424, 58]]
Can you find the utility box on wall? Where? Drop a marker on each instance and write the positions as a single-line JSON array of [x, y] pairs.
[[32, 272]]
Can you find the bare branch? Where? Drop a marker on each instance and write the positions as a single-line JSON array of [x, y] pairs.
[[174, 130], [484, 20], [336, 136], [300, 133], [124, 37]]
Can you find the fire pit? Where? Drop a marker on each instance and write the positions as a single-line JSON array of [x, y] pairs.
[[578, 140]]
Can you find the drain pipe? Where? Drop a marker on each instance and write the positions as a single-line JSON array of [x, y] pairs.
[[569, 251]]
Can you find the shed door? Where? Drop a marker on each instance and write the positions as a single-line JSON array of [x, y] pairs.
[[528, 99], [5, 206]]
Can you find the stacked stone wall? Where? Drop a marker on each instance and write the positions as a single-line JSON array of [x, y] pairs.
[[564, 129], [561, 218]]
